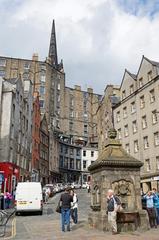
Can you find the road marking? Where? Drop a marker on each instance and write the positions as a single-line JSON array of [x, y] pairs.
[[13, 230]]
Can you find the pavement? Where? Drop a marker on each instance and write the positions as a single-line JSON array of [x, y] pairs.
[[48, 226]]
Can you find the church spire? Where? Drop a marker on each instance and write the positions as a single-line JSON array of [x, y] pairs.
[[53, 47]]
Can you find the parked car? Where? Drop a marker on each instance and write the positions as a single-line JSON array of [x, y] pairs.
[[76, 185], [85, 185]]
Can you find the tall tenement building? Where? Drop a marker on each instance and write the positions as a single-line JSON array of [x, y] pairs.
[[69, 111], [136, 119]]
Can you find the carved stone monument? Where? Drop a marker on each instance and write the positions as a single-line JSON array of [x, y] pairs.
[[115, 169]]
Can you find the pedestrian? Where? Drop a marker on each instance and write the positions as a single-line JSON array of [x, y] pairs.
[[74, 206], [113, 202], [150, 198], [156, 204], [65, 203], [7, 198]]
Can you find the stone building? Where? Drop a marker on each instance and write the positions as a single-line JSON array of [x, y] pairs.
[[16, 128], [36, 138], [44, 151], [54, 173], [89, 155], [67, 110], [70, 160], [105, 115], [136, 118]]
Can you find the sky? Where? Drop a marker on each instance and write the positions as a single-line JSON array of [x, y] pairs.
[[97, 39]]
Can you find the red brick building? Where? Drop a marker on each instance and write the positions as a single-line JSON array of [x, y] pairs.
[[36, 139]]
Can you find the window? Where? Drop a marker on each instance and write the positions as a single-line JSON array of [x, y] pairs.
[[78, 152], [71, 113], [156, 138], [42, 90], [149, 75], [58, 86], [2, 62], [126, 133], [142, 102], [154, 117], [119, 133], [84, 164], [25, 75], [71, 126], [58, 98], [66, 150], [157, 162], [41, 103], [147, 165], [133, 107], [71, 151], [65, 162], [26, 65], [131, 89], [136, 146], [152, 96], [61, 148], [92, 153], [85, 129], [42, 78], [146, 143], [118, 116], [125, 112], [84, 153], [144, 122], [134, 126], [71, 101], [140, 82], [123, 94], [71, 163], [2, 73], [127, 148], [78, 164]]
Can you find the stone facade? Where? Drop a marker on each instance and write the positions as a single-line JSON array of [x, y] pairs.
[[136, 119], [16, 124]]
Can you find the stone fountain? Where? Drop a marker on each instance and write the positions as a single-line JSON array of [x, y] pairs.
[[117, 170]]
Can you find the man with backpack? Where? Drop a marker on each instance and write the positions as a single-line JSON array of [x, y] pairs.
[[113, 204], [65, 202]]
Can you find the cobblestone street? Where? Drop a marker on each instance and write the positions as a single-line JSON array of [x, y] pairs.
[[47, 227]]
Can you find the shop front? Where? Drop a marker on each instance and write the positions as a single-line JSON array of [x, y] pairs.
[[10, 174]]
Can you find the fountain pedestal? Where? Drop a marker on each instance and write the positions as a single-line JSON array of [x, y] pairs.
[[115, 169]]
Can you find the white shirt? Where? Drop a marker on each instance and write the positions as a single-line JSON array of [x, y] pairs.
[[74, 204]]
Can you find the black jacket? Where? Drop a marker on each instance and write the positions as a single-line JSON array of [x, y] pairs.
[[110, 203], [66, 200]]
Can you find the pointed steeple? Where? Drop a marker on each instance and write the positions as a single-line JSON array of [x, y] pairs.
[[53, 47]]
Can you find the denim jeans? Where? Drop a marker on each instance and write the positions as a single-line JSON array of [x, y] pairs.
[[157, 215], [65, 218], [74, 215]]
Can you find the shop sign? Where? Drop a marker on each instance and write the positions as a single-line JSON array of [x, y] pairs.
[[156, 178]]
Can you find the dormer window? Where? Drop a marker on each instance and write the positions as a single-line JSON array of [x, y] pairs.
[[140, 82], [123, 94], [149, 75], [131, 89]]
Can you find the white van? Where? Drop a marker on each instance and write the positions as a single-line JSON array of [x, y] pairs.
[[29, 197]]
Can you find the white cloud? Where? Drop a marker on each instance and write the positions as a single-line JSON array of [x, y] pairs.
[[96, 38]]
